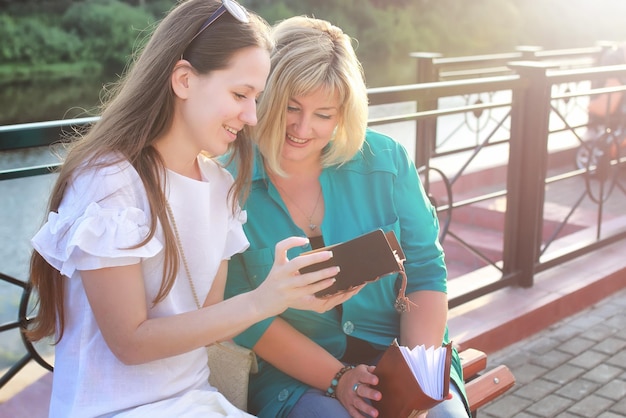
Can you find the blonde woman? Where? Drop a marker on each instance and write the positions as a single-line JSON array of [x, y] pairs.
[[320, 173]]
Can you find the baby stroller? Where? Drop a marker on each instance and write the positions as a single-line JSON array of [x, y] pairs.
[[600, 145], [605, 139]]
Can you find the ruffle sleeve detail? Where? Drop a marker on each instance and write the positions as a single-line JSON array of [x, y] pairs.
[[101, 237], [236, 241]]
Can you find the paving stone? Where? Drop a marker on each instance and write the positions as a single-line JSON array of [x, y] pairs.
[[618, 322], [610, 414], [589, 320], [537, 389], [542, 345], [508, 353], [603, 373], [608, 310], [577, 345], [617, 300], [611, 346], [550, 406], [524, 415], [618, 359], [551, 359], [591, 406], [577, 389], [564, 333], [508, 406], [600, 332], [564, 374], [518, 359], [615, 390], [483, 414], [619, 408], [528, 373], [568, 415], [621, 333], [588, 359]]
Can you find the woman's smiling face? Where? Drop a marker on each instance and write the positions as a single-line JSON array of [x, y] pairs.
[[222, 102], [311, 122]]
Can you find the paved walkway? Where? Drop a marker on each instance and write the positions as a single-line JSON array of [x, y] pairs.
[[575, 368]]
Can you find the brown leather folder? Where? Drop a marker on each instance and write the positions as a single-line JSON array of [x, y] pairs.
[[402, 395], [363, 259]]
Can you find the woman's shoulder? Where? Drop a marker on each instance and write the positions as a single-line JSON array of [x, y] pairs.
[[106, 173], [377, 141], [379, 151], [213, 169], [110, 181]]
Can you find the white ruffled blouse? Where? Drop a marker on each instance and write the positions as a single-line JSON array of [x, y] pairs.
[[104, 213]]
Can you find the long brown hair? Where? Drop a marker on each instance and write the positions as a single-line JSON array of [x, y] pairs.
[[138, 110]]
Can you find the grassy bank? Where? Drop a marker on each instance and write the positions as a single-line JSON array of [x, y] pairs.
[[24, 73]]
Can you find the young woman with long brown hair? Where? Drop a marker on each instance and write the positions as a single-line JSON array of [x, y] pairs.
[[130, 266]]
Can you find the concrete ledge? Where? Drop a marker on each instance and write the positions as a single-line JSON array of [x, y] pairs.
[[507, 316]]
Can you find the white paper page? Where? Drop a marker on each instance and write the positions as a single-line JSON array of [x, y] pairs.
[[441, 362], [427, 366], [431, 355], [413, 362]]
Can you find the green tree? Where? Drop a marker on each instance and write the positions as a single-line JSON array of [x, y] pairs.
[[34, 43], [110, 30]]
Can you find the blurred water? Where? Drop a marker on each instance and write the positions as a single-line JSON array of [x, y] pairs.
[[22, 206]]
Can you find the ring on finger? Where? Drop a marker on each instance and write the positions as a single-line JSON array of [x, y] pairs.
[[355, 387]]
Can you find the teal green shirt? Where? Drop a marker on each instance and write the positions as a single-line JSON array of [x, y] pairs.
[[378, 188]]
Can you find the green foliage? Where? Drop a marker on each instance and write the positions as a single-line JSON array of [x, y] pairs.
[[110, 30], [35, 43], [388, 31], [158, 8], [275, 12], [477, 27], [31, 7], [68, 39]]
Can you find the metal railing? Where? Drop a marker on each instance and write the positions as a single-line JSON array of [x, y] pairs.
[[513, 128], [436, 67]]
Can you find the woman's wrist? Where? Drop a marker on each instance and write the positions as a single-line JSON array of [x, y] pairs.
[[331, 392]]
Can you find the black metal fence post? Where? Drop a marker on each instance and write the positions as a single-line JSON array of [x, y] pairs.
[[426, 70], [426, 129], [527, 171]]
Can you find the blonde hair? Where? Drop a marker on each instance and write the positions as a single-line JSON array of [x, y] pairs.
[[310, 54], [139, 110]]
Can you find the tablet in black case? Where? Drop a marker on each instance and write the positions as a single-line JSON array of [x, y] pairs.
[[363, 259]]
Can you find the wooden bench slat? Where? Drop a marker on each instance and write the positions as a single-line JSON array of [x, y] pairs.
[[473, 362], [483, 388], [488, 386]]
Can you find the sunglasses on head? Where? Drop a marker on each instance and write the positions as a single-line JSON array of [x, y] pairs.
[[235, 9]]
